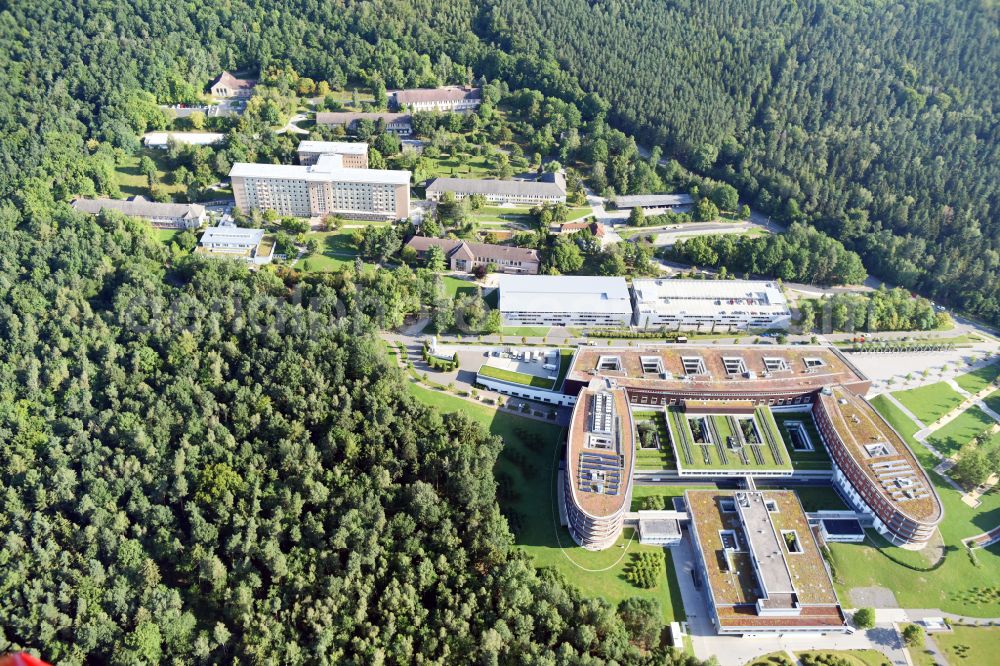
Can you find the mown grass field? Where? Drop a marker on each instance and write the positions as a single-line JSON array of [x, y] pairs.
[[970, 645], [526, 473], [955, 434], [131, 181], [931, 402], [978, 379], [336, 249]]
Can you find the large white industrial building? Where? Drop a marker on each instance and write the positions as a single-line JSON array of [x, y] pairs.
[[703, 304], [557, 300]]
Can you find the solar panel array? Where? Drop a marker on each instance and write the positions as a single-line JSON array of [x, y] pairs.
[[602, 412], [600, 472]]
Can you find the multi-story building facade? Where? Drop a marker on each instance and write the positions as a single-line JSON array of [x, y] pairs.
[[709, 304], [353, 155], [324, 188], [556, 300], [876, 470], [465, 256], [444, 99], [160, 215], [400, 124], [550, 190]]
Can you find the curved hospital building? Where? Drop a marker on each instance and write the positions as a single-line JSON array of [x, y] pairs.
[[716, 404]]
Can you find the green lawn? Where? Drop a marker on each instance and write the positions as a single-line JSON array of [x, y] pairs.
[[131, 181], [565, 359], [516, 377], [515, 215], [454, 286], [993, 401], [639, 492], [526, 331], [819, 498], [459, 166], [526, 475], [950, 438], [853, 657], [958, 585], [336, 250], [970, 645], [818, 458], [578, 213], [977, 380], [166, 236], [661, 458], [931, 402]]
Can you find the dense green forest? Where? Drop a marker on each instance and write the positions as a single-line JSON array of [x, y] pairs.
[[198, 468]]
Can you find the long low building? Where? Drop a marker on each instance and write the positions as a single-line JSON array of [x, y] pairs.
[[551, 189], [709, 304], [557, 300], [163, 139], [326, 187], [353, 155], [444, 99], [400, 124], [761, 563], [665, 375], [465, 256], [249, 245], [672, 201], [160, 215]]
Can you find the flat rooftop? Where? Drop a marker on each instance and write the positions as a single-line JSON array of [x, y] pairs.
[[653, 200], [323, 171], [562, 294], [883, 456], [338, 147], [693, 369], [539, 188], [232, 235], [709, 296], [758, 547], [600, 451]]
